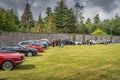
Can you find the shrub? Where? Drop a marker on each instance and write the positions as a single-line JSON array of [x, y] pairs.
[[74, 37]]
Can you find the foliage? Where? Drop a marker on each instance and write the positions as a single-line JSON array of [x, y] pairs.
[[8, 20], [111, 27], [39, 25], [80, 27], [87, 27], [27, 21], [0, 32], [65, 19], [48, 11], [74, 36], [83, 37], [96, 38], [99, 32], [96, 24], [62, 20], [49, 24], [111, 37]]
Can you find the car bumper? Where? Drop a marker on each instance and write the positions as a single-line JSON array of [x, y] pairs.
[[19, 62]]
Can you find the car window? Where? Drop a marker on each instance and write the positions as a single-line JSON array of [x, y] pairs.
[[7, 47], [22, 46], [15, 47]]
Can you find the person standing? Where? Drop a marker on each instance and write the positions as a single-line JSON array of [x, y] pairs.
[[61, 43], [53, 43]]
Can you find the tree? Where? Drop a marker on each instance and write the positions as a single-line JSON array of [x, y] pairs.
[[39, 25], [87, 27], [96, 23], [106, 26], [64, 18], [60, 14], [49, 25], [7, 20], [81, 27], [115, 26], [48, 11], [112, 27], [70, 22], [27, 21], [99, 32]]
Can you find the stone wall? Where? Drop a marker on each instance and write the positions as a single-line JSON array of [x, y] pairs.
[[15, 37]]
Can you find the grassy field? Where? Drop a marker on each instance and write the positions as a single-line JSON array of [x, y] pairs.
[[82, 62]]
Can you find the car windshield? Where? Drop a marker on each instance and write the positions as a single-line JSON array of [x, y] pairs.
[[21, 46]]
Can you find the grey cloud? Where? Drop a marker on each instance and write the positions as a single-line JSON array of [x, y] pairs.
[[104, 7]]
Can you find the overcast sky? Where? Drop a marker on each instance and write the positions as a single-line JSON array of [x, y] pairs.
[[107, 9]]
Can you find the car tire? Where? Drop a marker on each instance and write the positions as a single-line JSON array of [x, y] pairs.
[[29, 54], [7, 65]]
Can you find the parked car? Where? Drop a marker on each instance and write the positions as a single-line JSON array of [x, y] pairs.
[[68, 42], [31, 42], [18, 48], [46, 41], [39, 48], [38, 42], [30, 45], [9, 59], [78, 43]]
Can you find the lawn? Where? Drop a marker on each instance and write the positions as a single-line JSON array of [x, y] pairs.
[[81, 62]]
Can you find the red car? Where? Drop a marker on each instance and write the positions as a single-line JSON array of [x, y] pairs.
[[39, 48], [9, 59], [28, 44]]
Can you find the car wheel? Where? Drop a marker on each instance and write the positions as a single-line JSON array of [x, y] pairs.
[[29, 54], [7, 65]]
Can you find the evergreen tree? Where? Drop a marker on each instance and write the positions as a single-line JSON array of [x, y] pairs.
[[7, 20], [70, 22], [49, 26], [115, 26], [87, 27], [64, 18], [81, 27], [27, 21], [48, 11], [39, 25], [106, 26], [96, 24]]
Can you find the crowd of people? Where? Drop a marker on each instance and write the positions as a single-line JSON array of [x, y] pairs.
[[59, 43]]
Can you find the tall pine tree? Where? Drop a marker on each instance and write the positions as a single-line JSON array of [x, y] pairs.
[[96, 23], [64, 18], [49, 26], [27, 21], [39, 25]]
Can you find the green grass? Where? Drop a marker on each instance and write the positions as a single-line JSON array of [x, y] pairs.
[[82, 62]]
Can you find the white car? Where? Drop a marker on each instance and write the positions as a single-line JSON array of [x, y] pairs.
[[78, 43]]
